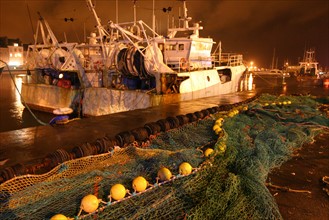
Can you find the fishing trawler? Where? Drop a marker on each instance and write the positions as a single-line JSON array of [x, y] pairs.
[[128, 66], [309, 66]]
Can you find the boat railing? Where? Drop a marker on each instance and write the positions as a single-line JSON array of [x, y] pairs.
[[227, 59]]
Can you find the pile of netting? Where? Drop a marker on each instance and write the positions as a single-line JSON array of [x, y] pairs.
[[247, 141]]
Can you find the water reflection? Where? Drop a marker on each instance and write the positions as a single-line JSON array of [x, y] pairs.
[[250, 82], [289, 85], [13, 114], [247, 82], [284, 88], [17, 108]]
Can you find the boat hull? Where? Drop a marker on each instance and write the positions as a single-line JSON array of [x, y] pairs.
[[99, 101], [103, 101], [47, 98]]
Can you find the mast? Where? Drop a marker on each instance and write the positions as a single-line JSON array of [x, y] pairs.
[[153, 19], [100, 28], [92, 8], [135, 11], [185, 19], [50, 32], [273, 59], [116, 12]]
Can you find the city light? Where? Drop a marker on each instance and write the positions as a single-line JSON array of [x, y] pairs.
[[252, 66], [14, 63]]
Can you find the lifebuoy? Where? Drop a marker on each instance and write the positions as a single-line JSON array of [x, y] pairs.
[[183, 64]]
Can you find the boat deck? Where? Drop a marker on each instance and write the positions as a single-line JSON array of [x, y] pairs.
[[25, 145]]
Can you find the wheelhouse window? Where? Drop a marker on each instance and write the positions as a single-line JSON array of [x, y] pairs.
[[161, 46], [171, 47]]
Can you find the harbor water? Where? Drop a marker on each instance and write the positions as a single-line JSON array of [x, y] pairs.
[[13, 114]]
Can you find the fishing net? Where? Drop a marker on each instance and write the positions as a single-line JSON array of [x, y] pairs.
[[229, 184]]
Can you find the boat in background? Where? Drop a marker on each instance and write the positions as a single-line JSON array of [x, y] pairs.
[[128, 66], [272, 73], [309, 72], [309, 66]]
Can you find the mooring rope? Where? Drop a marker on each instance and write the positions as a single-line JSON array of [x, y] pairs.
[[265, 80], [28, 108]]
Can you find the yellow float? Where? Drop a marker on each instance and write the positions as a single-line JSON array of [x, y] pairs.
[[219, 121], [139, 184], [208, 151], [185, 168], [164, 174], [89, 203], [59, 217], [215, 127], [118, 191]]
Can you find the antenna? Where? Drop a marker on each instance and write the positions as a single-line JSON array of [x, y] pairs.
[[186, 20], [153, 19], [134, 11], [179, 17], [84, 32], [65, 37], [116, 12]]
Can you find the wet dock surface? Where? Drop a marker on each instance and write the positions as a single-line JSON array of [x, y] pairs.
[[27, 144]]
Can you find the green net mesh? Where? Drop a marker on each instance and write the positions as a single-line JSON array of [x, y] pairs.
[[230, 184]]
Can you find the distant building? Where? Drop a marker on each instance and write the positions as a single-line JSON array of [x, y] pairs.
[[11, 51]]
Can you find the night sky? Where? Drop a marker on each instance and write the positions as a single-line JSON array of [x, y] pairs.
[[253, 28]]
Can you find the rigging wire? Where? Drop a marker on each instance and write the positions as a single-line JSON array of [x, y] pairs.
[[28, 108], [28, 10]]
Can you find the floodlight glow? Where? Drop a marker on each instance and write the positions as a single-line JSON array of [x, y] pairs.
[[14, 63]]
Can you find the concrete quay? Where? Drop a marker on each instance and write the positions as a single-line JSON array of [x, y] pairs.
[[25, 145]]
